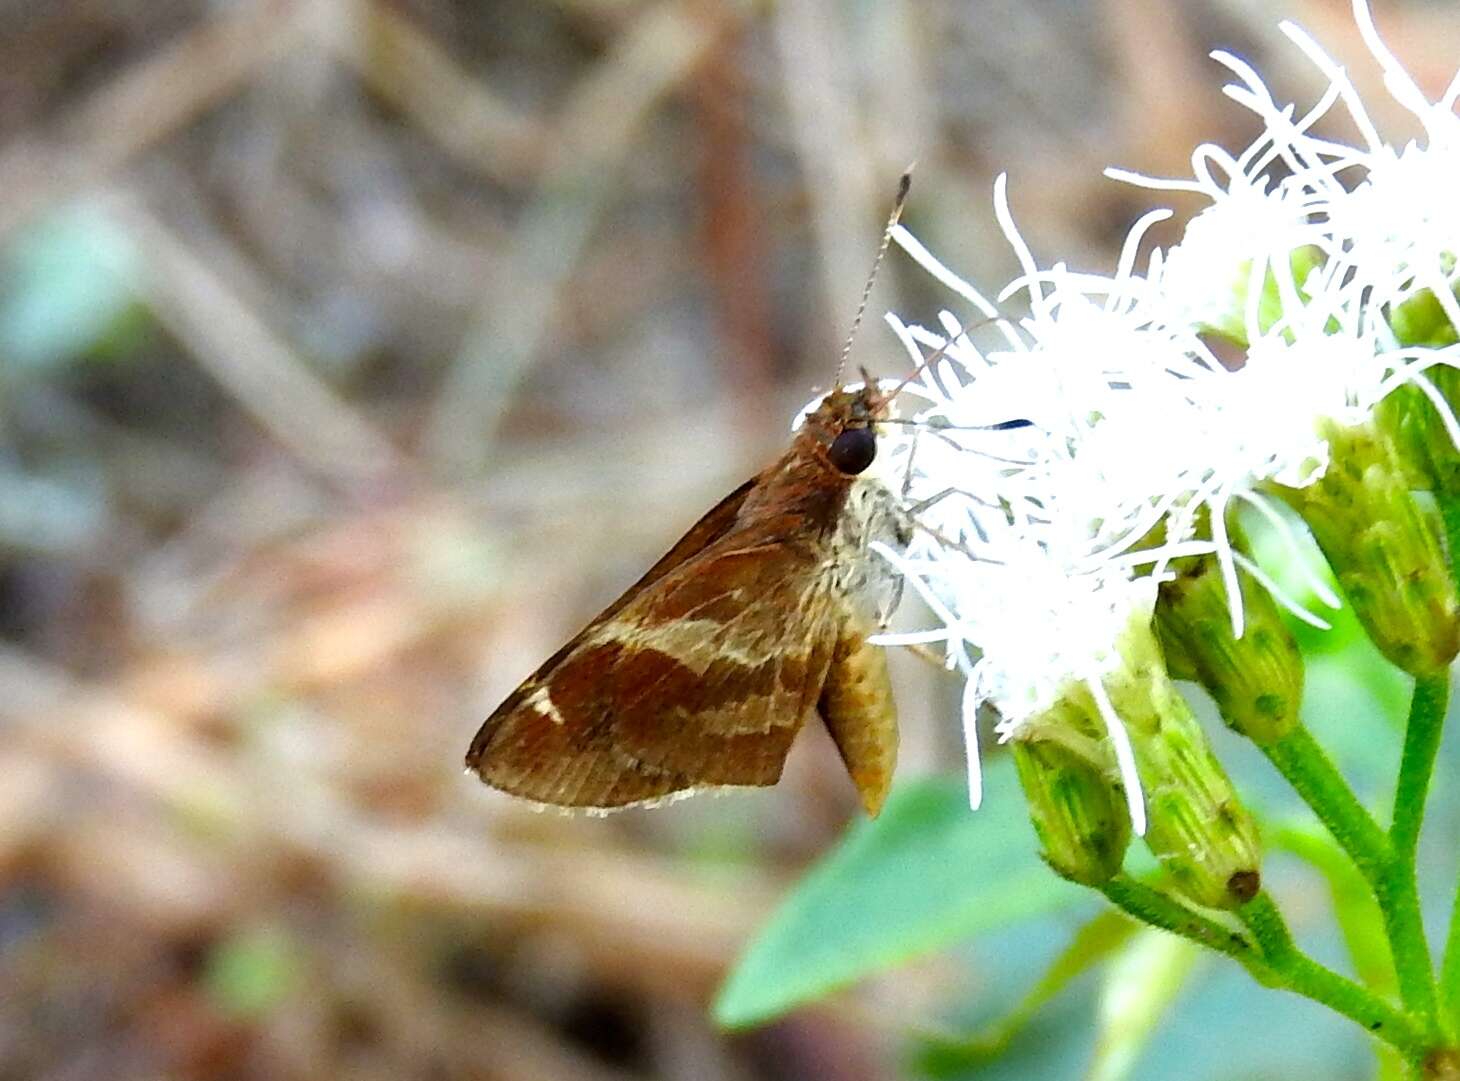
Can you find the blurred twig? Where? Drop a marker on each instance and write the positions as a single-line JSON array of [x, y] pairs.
[[639, 920], [248, 358], [401, 63], [820, 89], [590, 142], [733, 228], [151, 101]]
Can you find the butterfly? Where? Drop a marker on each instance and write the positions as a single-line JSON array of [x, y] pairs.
[[703, 672], [701, 675]]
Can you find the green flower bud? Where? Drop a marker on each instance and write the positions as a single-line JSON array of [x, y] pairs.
[[1076, 800], [1197, 827], [1424, 448], [1421, 320], [1384, 547], [1256, 680], [1407, 416], [1231, 321]]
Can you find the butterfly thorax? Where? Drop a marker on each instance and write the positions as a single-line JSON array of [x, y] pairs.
[[806, 487], [806, 500]]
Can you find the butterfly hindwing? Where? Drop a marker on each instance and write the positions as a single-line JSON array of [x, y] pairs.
[[857, 706]]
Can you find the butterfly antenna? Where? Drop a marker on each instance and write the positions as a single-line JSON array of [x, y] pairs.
[[903, 184], [932, 358]]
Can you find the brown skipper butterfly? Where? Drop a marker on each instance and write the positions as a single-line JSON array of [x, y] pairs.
[[703, 672]]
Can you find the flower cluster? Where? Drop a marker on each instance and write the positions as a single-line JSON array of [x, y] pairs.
[[1074, 483]]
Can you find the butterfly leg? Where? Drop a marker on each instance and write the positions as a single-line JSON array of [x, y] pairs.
[[914, 509], [926, 653]]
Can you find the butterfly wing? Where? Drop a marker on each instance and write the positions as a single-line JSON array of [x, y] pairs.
[[716, 522], [856, 705], [732, 657], [526, 747], [700, 675], [704, 671], [727, 656]]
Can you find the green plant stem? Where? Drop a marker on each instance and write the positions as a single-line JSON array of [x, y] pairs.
[[1300, 973], [1450, 967], [1353, 901], [1421, 743], [1300, 760], [1396, 888], [1272, 958], [1151, 906], [1386, 860]]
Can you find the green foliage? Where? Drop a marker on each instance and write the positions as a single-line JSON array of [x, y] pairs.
[[67, 291], [251, 971], [923, 875], [929, 873], [1098, 940], [1139, 988]]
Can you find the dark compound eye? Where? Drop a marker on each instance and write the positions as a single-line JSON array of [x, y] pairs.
[[853, 450]]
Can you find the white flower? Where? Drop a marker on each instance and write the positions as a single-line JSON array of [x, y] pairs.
[[1032, 537], [1398, 227], [1218, 275], [1055, 473], [1318, 348], [1402, 224], [1385, 220]]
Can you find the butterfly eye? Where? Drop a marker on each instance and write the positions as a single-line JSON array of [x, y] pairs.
[[853, 450]]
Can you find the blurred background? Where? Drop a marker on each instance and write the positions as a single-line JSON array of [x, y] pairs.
[[352, 354]]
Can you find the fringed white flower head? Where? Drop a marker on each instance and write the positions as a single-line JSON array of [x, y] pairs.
[[1396, 226], [1032, 477], [1055, 475]]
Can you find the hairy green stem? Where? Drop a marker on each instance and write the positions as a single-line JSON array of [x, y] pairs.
[[1396, 887], [1151, 906], [1300, 760], [1450, 967], [1386, 860], [1353, 902], [1421, 742], [1298, 972], [1272, 958]]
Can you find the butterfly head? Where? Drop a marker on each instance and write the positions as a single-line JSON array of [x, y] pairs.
[[843, 424]]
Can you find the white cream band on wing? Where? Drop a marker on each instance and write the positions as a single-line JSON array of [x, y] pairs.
[[694, 643], [542, 702]]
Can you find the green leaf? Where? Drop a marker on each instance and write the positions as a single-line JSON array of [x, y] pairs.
[[1098, 939], [1140, 987], [926, 873]]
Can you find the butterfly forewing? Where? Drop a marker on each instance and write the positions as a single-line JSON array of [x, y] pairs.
[[526, 746], [729, 655]]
